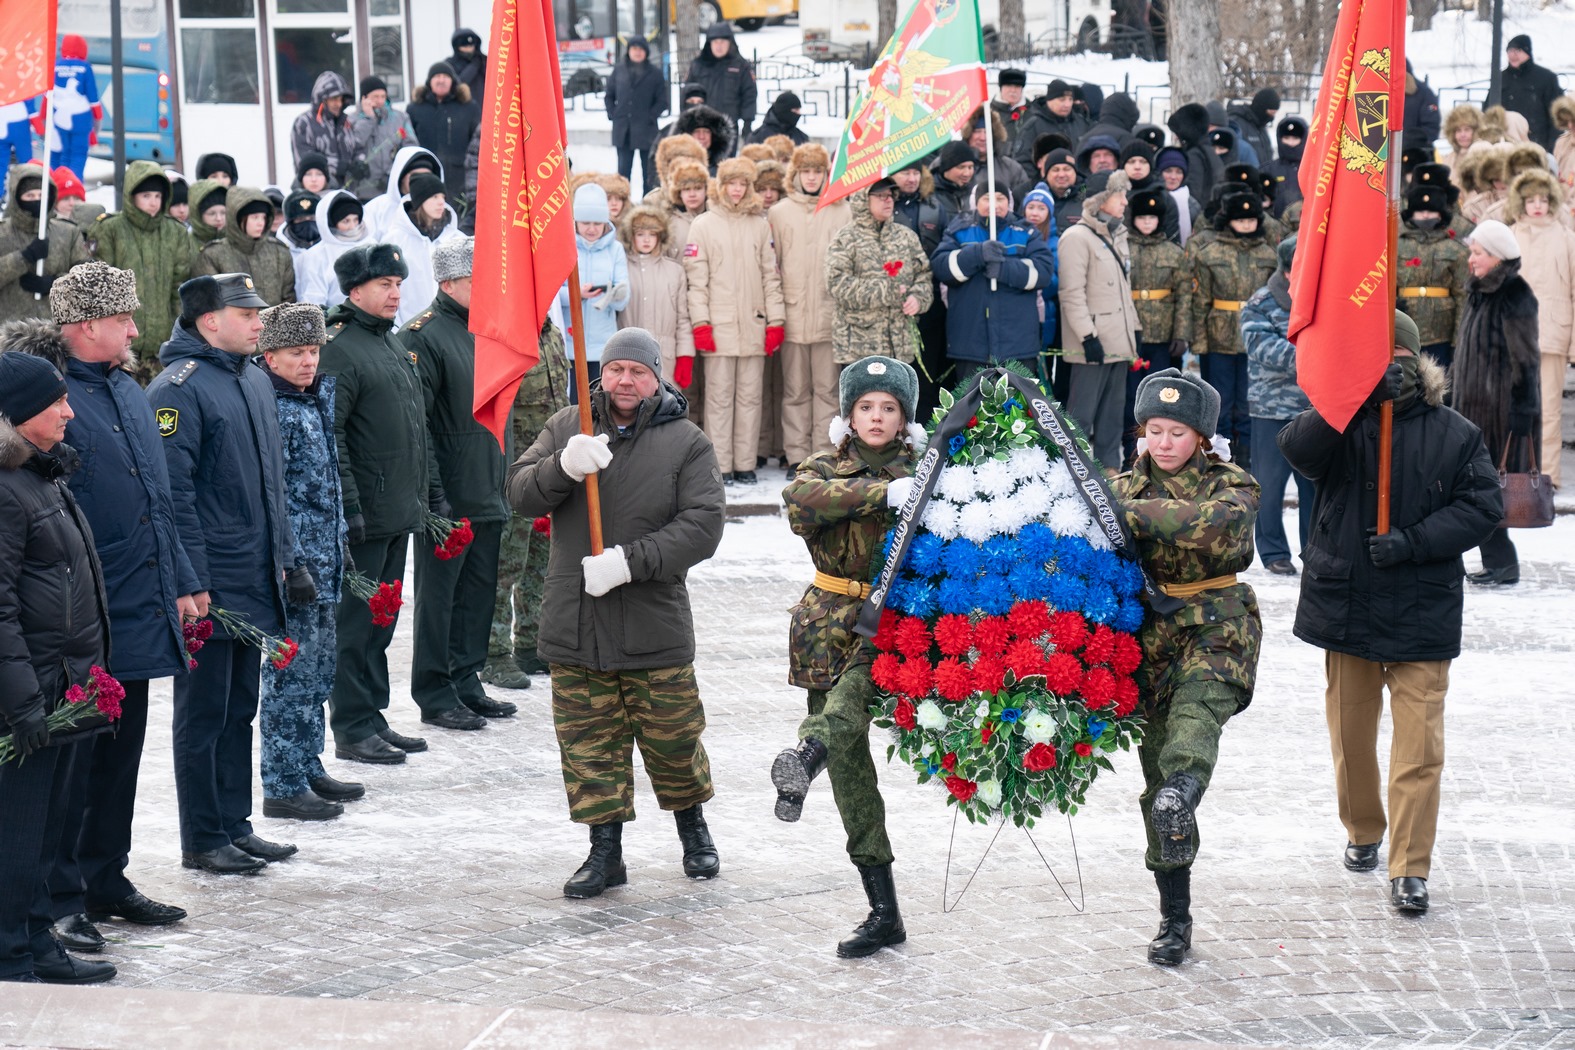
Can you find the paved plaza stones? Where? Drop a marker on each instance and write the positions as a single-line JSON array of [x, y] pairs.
[[443, 886]]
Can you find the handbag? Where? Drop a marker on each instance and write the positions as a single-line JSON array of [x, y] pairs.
[[1528, 496]]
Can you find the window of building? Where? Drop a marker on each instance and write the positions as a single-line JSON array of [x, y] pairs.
[[220, 65], [302, 54], [217, 9]]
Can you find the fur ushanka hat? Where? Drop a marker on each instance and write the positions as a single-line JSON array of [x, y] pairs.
[[367, 262], [1172, 394], [291, 324], [92, 290]]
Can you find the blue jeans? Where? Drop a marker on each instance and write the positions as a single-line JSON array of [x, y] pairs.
[[1272, 472], [1227, 373]]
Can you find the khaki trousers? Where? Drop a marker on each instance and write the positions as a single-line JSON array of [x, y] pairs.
[[809, 399], [1354, 703], [1553, 366], [771, 409], [732, 409]]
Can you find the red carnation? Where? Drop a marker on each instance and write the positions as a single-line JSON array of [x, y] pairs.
[[885, 638], [1083, 748], [990, 636], [903, 715], [1029, 619], [76, 695], [884, 671], [953, 679], [1126, 697], [1127, 656], [1416, 261], [914, 678], [108, 693], [892, 268], [1068, 631], [989, 674], [1062, 673], [1101, 647], [954, 634], [283, 653], [1025, 658], [542, 526], [1099, 688], [913, 638], [962, 789], [949, 761], [1039, 758]]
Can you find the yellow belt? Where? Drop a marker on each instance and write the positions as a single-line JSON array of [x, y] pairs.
[[1145, 294], [1233, 305], [1424, 293], [838, 585], [1187, 590]]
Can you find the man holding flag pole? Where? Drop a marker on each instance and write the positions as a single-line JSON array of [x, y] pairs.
[[1404, 484]]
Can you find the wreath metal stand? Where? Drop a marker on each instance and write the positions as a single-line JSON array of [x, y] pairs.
[[948, 904]]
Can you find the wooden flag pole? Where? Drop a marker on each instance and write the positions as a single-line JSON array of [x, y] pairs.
[[582, 387], [1393, 172]]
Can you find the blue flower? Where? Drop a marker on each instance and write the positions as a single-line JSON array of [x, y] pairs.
[[993, 595], [931, 767], [956, 594], [1100, 605], [1038, 543], [1096, 727], [1011, 402], [924, 554], [1129, 578], [1075, 555], [1028, 580], [921, 599], [887, 544], [1000, 553], [963, 558], [956, 444], [1129, 617], [1066, 592], [1010, 715]]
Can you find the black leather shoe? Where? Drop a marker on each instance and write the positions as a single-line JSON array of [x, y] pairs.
[[700, 856], [490, 708], [410, 744], [308, 805], [336, 790], [374, 750], [1283, 567], [456, 718], [883, 926], [262, 849], [1361, 858], [226, 860], [138, 909], [1174, 939], [56, 966], [745, 477], [1508, 576], [1408, 893], [76, 933], [729, 479], [603, 866]]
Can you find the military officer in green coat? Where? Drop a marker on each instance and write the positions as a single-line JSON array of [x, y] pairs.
[[1431, 275]]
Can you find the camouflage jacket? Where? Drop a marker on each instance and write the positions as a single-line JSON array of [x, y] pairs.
[[1192, 526], [311, 480], [1432, 259], [836, 503], [543, 391], [1158, 264], [1272, 391], [1274, 230], [867, 300], [1230, 269]]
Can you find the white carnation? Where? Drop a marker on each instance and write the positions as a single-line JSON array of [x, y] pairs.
[[989, 793], [940, 518], [1060, 478], [1069, 517], [1010, 515], [1029, 462], [1033, 499], [1038, 727], [956, 484], [995, 477], [930, 716], [976, 520]]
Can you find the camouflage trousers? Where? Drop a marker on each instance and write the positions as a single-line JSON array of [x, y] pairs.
[[522, 571], [291, 720], [839, 717], [600, 715], [1183, 736]]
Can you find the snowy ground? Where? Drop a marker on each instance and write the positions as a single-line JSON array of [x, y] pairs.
[[443, 885]]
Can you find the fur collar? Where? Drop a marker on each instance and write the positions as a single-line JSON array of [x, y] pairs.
[[15, 449], [840, 431], [1431, 379]]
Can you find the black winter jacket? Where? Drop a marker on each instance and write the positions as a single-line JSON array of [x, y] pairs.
[[445, 126], [1530, 91], [1445, 497], [729, 81], [54, 619], [636, 95], [1038, 120]]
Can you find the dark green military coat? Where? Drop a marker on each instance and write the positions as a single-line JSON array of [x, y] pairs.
[[1432, 259], [1230, 269], [265, 259], [1158, 264], [1191, 526], [836, 503]]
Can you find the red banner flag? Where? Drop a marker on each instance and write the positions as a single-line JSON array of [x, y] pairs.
[[1342, 298], [27, 49], [524, 215]]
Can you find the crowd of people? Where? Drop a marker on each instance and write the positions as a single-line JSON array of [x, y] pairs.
[[215, 404]]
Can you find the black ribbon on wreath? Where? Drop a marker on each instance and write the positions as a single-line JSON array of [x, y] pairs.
[[1086, 472]]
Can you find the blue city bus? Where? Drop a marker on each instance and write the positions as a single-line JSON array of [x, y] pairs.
[[148, 62]]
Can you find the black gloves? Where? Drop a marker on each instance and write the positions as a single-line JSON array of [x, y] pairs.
[[357, 170], [1520, 424], [299, 587], [993, 253], [1388, 387], [1178, 348], [37, 250], [35, 283], [1093, 350], [1391, 548], [30, 732], [356, 524], [440, 506]]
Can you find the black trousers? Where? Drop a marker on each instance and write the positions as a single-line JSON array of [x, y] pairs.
[[454, 601], [1499, 551], [95, 840], [360, 694], [215, 706], [648, 176], [33, 798]]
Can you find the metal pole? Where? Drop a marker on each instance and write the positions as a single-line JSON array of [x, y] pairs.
[[117, 88], [1496, 68]]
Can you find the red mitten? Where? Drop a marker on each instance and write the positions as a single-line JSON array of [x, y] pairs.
[[93, 136], [705, 342], [774, 336], [684, 371]]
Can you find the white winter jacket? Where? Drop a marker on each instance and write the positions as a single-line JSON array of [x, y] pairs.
[[383, 210], [420, 288], [315, 280]]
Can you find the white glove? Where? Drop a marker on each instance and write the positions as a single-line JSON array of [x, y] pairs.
[[584, 455], [606, 299], [605, 571], [897, 492]]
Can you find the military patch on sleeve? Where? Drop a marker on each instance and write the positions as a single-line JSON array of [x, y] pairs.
[[692, 250], [168, 420], [183, 373]]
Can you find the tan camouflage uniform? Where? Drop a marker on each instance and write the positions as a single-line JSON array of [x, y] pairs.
[[1199, 663]]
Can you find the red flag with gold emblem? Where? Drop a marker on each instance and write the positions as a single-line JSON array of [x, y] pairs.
[[27, 49], [1342, 298], [524, 218]]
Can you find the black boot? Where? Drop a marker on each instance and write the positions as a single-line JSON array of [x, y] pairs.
[[884, 924], [1170, 944], [792, 773], [700, 859], [1174, 815], [603, 867]]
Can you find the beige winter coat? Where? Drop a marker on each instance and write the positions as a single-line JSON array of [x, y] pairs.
[[803, 236], [1547, 262], [1095, 293], [733, 282], [659, 303]]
